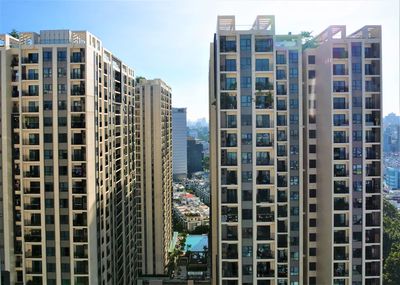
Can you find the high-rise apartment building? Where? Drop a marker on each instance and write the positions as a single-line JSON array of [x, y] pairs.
[[154, 177], [195, 156], [255, 154], [67, 150], [179, 143], [284, 211], [343, 176]]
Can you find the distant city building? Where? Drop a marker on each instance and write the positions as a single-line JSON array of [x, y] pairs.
[[392, 177], [201, 187], [194, 156], [179, 143], [67, 212], [154, 172], [190, 211], [391, 133]]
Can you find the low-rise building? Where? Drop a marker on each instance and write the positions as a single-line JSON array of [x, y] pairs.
[[190, 211]]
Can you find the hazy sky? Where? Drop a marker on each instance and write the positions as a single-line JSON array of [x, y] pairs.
[[170, 39]]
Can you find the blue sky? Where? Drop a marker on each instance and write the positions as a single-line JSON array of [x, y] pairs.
[[170, 39]]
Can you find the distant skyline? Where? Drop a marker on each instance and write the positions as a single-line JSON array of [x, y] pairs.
[[171, 39]]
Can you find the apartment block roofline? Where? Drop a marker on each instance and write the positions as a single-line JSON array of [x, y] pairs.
[[265, 23], [334, 32]]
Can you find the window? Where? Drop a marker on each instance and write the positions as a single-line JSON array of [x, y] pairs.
[[47, 73], [62, 138], [50, 251], [280, 59], [63, 186], [48, 121], [357, 135], [61, 72], [47, 55], [313, 266], [357, 152], [357, 169], [246, 157], [247, 214], [246, 139], [357, 118], [293, 72], [51, 267], [293, 88], [48, 138], [245, 101], [313, 193], [48, 154], [50, 235], [293, 56], [49, 203], [262, 64], [63, 219], [312, 148], [312, 163], [357, 101], [356, 68], [62, 55], [311, 74], [63, 203], [263, 45], [247, 176], [246, 120], [63, 170], [62, 105], [313, 251], [245, 82], [312, 134], [313, 237], [245, 43], [61, 88], [312, 178], [62, 121], [245, 63], [357, 85], [356, 49], [230, 64], [311, 59], [49, 219]]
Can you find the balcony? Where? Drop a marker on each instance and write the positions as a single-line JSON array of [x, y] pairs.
[[81, 251], [340, 270], [372, 69], [373, 119], [281, 105], [264, 214], [373, 185], [373, 169], [80, 220], [340, 105], [31, 59], [79, 170], [263, 84], [282, 197], [340, 253], [78, 138], [264, 252], [32, 92], [341, 204], [340, 89], [263, 233], [264, 161], [340, 171], [80, 235], [263, 140], [228, 101], [228, 139], [79, 187], [372, 269], [78, 122], [341, 237], [373, 51], [264, 270], [229, 232], [340, 137], [373, 202], [282, 256], [372, 102], [229, 251], [339, 53], [229, 269], [373, 85], [340, 187], [229, 214], [373, 153], [373, 219], [33, 236], [229, 84], [30, 76], [78, 90], [340, 220], [373, 236], [228, 196], [34, 172], [228, 177], [228, 158], [264, 196], [373, 252], [227, 45], [373, 136], [263, 177], [33, 221], [264, 102], [78, 57], [31, 124]]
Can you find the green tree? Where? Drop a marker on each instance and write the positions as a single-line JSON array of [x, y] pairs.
[[14, 33], [308, 40], [391, 244]]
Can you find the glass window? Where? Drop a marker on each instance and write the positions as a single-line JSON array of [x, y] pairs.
[[246, 157], [246, 139], [48, 154], [262, 64], [293, 72], [245, 43], [230, 64], [62, 55], [280, 59], [47, 55], [311, 59], [47, 72], [356, 68], [245, 63], [245, 82], [293, 56], [61, 72], [356, 49], [264, 45], [246, 101], [357, 85]]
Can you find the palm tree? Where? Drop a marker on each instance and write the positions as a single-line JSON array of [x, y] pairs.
[[14, 33]]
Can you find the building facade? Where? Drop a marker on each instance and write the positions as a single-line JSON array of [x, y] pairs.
[[68, 175], [343, 119], [154, 173], [194, 155], [255, 152], [288, 210], [179, 143]]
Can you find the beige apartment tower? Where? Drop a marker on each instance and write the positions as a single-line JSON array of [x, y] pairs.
[[153, 125], [67, 161], [342, 162], [295, 156], [256, 150]]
